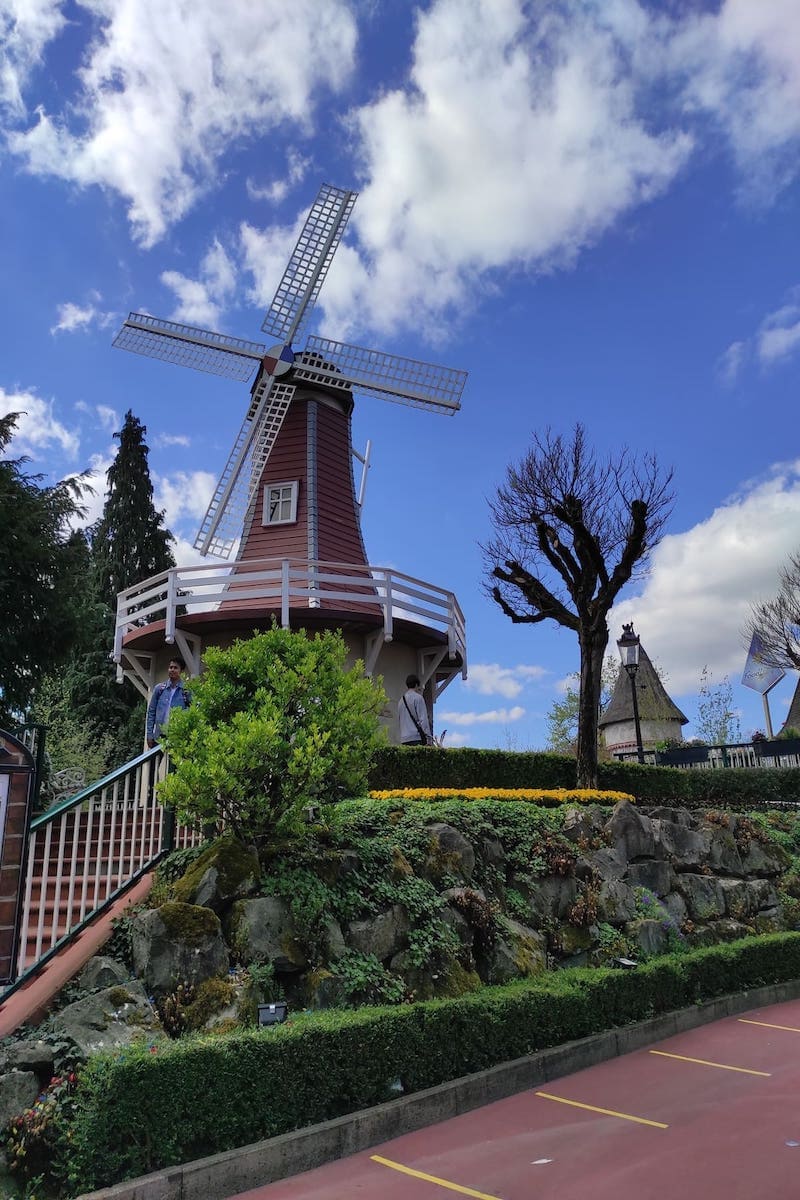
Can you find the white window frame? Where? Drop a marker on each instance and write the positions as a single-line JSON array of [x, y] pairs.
[[290, 488]]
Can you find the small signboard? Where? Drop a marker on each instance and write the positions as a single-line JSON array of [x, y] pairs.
[[759, 675]]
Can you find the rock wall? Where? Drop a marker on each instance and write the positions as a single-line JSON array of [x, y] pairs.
[[631, 883]]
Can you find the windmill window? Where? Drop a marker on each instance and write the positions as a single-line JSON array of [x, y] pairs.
[[280, 503]]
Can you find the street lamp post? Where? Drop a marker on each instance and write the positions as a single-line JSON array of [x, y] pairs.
[[629, 653]]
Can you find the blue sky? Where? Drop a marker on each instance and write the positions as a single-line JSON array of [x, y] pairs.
[[590, 205]]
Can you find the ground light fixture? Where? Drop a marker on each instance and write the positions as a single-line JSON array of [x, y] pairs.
[[273, 1014], [625, 964], [629, 648]]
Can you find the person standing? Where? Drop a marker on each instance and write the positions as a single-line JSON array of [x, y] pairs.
[[166, 696], [412, 712]]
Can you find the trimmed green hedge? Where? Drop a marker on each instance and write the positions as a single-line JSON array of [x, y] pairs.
[[411, 766], [143, 1110]]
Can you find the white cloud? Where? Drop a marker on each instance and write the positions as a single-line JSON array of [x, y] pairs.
[[201, 300], [491, 679], [297, 168], [454, 739], [183, 495], [167, 86], [37, 430], [496, 716], [731, 361], [163, 440], [94, 497], [265, 253], [109, 419], [525, 132], [516, 143], [779, 335], [740, 66], [26, 28], [704, 581], [777, 338], [78, 318]]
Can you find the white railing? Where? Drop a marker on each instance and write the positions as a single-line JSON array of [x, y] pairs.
[[283, 584], [83, 853]]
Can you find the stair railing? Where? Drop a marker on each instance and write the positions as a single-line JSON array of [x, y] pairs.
[[85, 852]]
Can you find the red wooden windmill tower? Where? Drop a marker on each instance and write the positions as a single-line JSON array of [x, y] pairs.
[[285, 508]]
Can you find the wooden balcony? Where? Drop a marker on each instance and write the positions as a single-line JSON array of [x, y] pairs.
[[295, 592]]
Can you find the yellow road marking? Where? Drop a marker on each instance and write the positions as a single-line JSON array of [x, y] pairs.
[[705, 1063], [766, 1025], [445, 1183], [607, 1112]]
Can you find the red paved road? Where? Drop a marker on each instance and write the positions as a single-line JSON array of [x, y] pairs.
[[726, 1139]]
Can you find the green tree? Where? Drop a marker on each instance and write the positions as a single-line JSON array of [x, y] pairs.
[[717, 723], [128, 544], [40, 575], [562, 716], [276, 722], [568, 533], [70, 743]]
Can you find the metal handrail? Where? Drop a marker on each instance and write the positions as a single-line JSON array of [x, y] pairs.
[[85, 852], [290, 583]]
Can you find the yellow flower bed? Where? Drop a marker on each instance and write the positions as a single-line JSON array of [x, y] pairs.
[[546, 796]]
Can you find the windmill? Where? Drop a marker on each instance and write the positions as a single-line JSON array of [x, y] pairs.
[[286, 492]]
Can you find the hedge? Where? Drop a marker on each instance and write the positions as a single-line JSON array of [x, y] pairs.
[[142, 1110], [418, 766]]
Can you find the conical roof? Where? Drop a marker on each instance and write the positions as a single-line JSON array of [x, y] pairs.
[[793, 716], [654, 703]]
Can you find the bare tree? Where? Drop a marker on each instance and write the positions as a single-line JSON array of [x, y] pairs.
[[777, 621], [568, 532]]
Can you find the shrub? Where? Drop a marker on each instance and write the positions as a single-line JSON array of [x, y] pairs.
[[141, 1111], [276, 722], [411, 766]]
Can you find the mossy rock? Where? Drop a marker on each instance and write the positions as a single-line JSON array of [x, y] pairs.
[[212, 997], [573, 939], [440, 981], [323, 989], [226, 871], [177, 942], [191, 924]]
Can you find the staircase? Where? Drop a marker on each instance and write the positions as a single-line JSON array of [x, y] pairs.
[[82, 855]]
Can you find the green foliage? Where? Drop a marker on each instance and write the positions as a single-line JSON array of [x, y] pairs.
[[129, 542], [276, 723], [562, 716], [70, 742], [173, 1008], [365, 980], [411, 766], [143, 1111], [37, 1138], [82, 703], [717, 723], [40, 576]]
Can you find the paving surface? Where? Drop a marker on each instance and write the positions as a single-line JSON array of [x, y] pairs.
[[652, 1125]]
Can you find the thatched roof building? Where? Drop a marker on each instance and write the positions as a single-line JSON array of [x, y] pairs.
[[660, 719]]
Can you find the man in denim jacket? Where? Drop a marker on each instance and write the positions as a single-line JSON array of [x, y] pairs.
[[166, 696]]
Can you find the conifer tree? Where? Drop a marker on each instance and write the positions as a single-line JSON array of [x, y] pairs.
[[129, 542], [40, 561]]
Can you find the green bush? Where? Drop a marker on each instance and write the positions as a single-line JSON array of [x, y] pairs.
[[409, 766], [276, 722], [144, 1110]]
